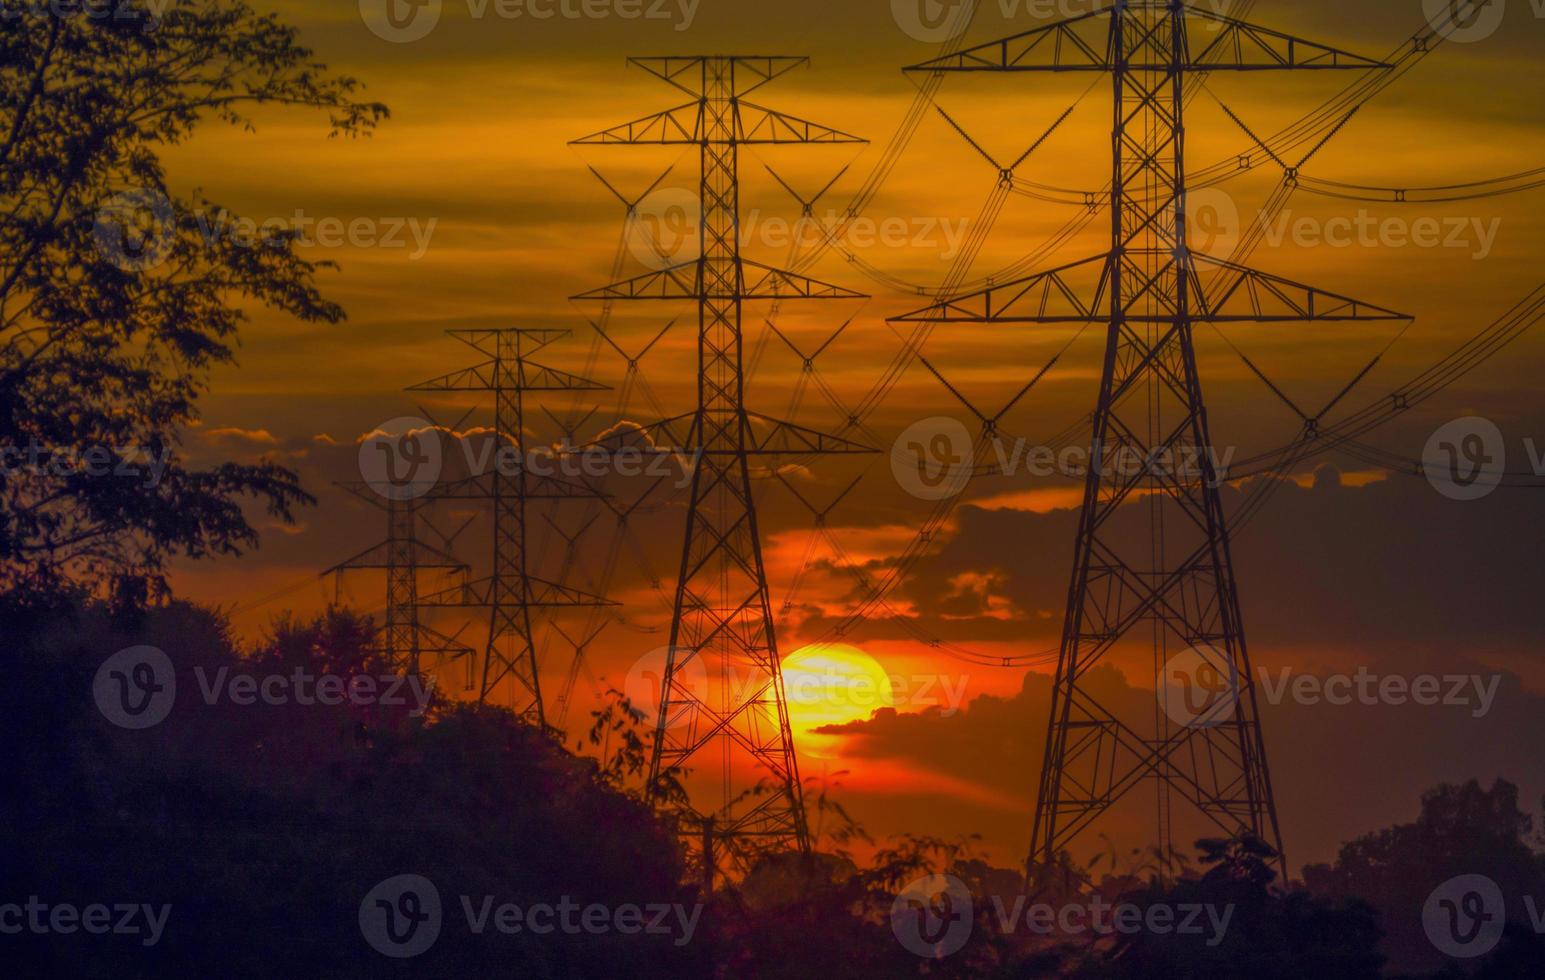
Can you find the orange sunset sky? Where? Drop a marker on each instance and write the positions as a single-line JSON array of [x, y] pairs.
[[1371, 570]]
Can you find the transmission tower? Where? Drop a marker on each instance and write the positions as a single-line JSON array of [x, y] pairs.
[[510, 592], [404, 640], [1167, 584], [722, 624]]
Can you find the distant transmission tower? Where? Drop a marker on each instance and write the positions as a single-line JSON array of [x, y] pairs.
[[722, 624], [1167, 585], [403, 639], [510, 592]]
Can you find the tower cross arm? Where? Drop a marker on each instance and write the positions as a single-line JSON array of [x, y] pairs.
[[1080, 293], [525, 376], [381, 556], [538, 377], [1086, 43], [1244, 295], [685, 282], [764, 436], [759, 124], [683, 126], [775, 437], [1074, 293], [681, 281], [770, 283], [529, 339], [751, 71], [677, 126], [477, 378]]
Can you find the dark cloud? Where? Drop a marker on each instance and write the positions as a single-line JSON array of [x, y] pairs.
[[1338, 771]]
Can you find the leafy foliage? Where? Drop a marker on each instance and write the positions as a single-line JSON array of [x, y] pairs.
[[1462, 830], [115, 302], [264, 825]]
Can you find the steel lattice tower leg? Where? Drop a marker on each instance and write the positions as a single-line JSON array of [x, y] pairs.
[[1180, 581], [1152, 567], [511, 591], [511, 649], [404, 638], [402, 626], [722, 612], [722, 625]]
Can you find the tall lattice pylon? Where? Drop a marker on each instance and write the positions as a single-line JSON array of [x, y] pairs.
[[722, 624], [1158, 575], [510, 592]]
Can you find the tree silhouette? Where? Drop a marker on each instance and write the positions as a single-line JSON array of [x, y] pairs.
[[115, 299], [1462, 830], [265, 825]]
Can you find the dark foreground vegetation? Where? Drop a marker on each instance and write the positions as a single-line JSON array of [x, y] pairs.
[[263, 827]]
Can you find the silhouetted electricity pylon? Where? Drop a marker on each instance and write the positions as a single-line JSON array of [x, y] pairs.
[[1167, 583], [510, 592], [722, 624], [403, 638]]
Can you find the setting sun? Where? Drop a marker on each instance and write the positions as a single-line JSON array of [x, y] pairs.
[[832, 685]]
